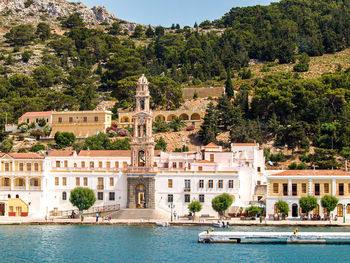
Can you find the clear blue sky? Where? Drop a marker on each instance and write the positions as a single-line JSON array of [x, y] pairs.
[[166, 12]]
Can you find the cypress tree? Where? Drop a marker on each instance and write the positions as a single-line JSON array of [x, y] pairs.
[[229, 86], [209, 129]]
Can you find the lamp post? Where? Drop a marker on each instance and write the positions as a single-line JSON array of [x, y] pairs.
[[171, 206]]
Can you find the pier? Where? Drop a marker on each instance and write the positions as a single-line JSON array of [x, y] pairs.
[[275, 237]]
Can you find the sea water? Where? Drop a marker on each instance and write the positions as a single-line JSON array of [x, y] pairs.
[[101, 243]]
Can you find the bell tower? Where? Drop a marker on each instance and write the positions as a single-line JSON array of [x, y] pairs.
[[141, 172]]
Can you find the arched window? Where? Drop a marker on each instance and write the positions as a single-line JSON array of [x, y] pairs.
[[184, 117], [142, 104], [17, 196], [142, 161], [64, 196], [8, 196]]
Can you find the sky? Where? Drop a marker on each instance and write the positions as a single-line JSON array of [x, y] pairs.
[[166, 13]]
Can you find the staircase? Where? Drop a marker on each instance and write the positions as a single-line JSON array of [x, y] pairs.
[[145, 214]]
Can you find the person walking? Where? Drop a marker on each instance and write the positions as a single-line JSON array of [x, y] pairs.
[[97, 216]]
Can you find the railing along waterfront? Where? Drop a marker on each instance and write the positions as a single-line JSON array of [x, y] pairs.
[[92, 210]]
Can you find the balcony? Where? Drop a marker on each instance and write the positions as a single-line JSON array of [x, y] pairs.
[[19, 187], [187, 189], [5, 188]]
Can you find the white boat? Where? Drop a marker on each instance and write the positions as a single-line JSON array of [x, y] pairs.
[[220, 224], [163, 224]]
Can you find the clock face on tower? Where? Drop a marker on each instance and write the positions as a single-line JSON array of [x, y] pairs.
[[142, 121]]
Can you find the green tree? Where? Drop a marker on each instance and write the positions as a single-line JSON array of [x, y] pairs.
[[308, 203], [6, 145], [44, 76], [115, 29], [26, 55], [160, 126], [20, 35], [209, 128], [82, 198], [64, 139], [282, 207], [253, 210], [176, 124], [74, 20], [160, 144], [149, 32], [221, 203], [42, 122], [329, 203], [138, 32], [194, 207], [229, 90], [43, 31], [37, 147]]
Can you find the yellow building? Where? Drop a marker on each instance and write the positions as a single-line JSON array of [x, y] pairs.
[[291, 185], [81, 123], [34, 117], [21, 178]]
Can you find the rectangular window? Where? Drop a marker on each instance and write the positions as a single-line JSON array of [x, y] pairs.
[[181, 165], [85, 119], [111, 181], [212, 157], [201, 198], [285, 189], [82, 164], [100, 183], [189, 166], [7, 167], [200, 168], [116, 164], [108, 165], [303, 188], [317, 189], [187, 198], [96, 118], [36, 167], [64, 181], [275, 188], [99, 164], [125, 165], [187, 185], [111, 196], [77, 181], [21, 167], [230, 183], [259, 169], [57, 181], [170, 198], [66, 163], [201, 183], [85, 181], [58, 164], [326, 188], [294, 189], [341, 189], [100, 195], [70, 119], [59, 119], [92, 164], [174, 164], [210, 184], [170, 183], [29, 167], [220, 184]]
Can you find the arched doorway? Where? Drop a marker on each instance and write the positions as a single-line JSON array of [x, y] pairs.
[[141, 196], [294, 210]]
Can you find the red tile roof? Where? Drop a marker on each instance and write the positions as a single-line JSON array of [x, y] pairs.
[[211, 145], [22, 155], [60, 153], [312, 173], [37, 113], [105, 153], [245, 144]]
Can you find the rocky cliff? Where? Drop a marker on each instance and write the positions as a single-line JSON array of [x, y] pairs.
[[33, 10]]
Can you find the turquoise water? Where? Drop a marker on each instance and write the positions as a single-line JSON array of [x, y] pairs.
[[151, 244]]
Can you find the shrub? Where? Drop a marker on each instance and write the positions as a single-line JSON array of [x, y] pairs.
[[253, 210], [22, 150], [23, 127], [160, 126], [282, 207], [42, 122], [190, 128], [37, 134], [123, 132], [293, 166], [161, 144], [300, 67], [37, 147], [26, 55]]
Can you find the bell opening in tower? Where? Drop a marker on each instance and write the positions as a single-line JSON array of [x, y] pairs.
[[141, 158]]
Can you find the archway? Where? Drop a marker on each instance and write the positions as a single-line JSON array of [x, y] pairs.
[[171, 117], [140, 196], [20, 183], [34, 183], [141, 159], [160, 117], [195, 117], [184, 117], [294, 210]]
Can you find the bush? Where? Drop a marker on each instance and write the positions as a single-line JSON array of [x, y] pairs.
[[32, 125], [37, 147], [253, 210], [160, 126], [22, 150], [37, 134], [28, 3], [123, 132], [176, 124], [161, 144], [64, 139], [293, 166], [42, 122], [300, 67], [245, 74], [190, 128], [6, 145], [26, 55], [20, 138], [278, 157], [23, 127]]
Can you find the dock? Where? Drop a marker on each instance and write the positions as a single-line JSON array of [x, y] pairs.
[[275, 237]]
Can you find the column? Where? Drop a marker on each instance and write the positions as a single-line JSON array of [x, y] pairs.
[[334, 191], [310, 186], [11, 183], [27, 183], [268, 188], [289, 187]]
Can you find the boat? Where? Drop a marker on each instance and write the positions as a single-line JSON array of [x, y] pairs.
[[220, 224], [162, 224]]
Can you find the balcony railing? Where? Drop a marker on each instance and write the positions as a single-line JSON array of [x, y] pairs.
[[34, 188], [5, 188], [187, 189], [22, 187], [100, 187]]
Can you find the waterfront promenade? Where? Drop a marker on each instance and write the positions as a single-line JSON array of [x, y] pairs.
[[203, 222]]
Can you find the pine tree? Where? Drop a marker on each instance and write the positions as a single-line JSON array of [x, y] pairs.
[[229, 86], [209, 129]]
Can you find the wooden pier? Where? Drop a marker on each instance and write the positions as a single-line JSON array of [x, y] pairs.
[[275, 237]]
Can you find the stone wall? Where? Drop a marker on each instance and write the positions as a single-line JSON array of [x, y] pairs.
[[149, 183]]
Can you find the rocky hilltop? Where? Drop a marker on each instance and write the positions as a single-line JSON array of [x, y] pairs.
[[32, 11]]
